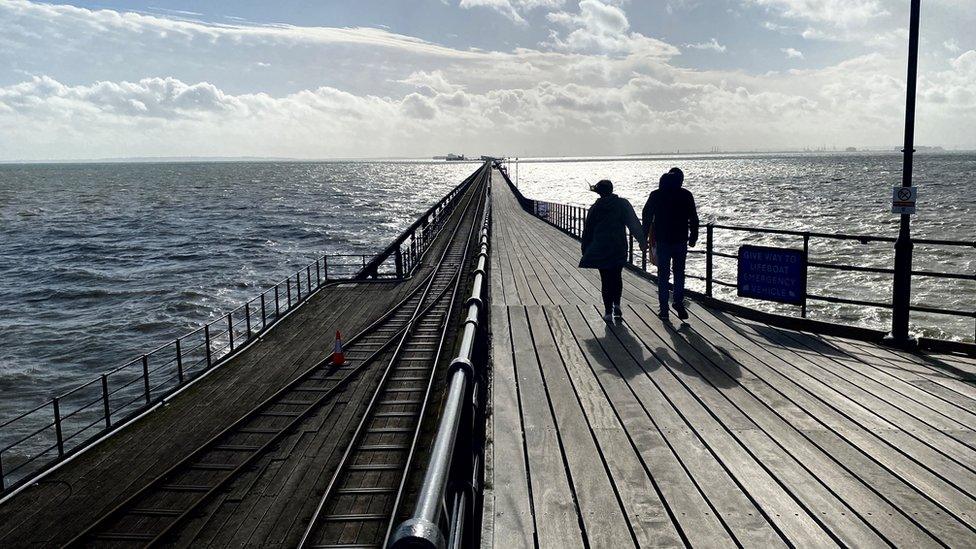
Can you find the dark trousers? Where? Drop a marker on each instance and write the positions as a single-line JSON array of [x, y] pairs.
[[669, 254], [611, 287]]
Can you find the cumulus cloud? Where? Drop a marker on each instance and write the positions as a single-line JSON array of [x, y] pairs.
[[792, 53], [603, 28]]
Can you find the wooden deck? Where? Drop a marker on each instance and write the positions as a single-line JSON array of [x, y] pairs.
[[269, 505], [713, 433]]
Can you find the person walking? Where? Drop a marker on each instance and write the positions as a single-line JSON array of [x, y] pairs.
[[605, 243], [670, 223]]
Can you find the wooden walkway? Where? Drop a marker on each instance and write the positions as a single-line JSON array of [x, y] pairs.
[[267, 506], [713, 433]]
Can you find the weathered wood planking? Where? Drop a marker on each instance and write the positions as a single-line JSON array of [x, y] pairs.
[[712, 433]]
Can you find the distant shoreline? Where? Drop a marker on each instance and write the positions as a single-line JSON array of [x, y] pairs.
[[428, 160]]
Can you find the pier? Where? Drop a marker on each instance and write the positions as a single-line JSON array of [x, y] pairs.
[[485, 402], [717, 432]]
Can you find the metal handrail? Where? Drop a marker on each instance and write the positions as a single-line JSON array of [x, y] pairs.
[[571, 218], [444, 473]]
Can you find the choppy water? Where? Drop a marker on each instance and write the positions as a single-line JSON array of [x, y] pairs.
[[832, 193], [100, 262]]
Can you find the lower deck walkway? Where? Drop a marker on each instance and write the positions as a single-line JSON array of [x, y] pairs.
[[715, 432], [271, 502]]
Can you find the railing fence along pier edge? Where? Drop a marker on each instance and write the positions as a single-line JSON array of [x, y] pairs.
[[570, 220]]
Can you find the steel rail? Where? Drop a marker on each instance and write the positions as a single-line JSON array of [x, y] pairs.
[[118, 511], [354, 444], [422, 528]]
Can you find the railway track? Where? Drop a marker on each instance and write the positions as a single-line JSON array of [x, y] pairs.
[[360, 505], [404, 341]]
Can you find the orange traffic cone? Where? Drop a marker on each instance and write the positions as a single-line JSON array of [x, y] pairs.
[[338, 357]]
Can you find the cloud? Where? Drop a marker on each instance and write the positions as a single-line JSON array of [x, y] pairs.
[[603, 28], [435, 81], [839, 13], [512, 9], [792, 53], [951, 45], [710, 45], [87, 84]]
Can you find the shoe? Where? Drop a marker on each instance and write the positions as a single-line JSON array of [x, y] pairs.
[[617, 313], [663, 315], [682, 312], [608, 317]]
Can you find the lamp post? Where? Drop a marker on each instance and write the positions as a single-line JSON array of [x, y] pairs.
[[902, 283]]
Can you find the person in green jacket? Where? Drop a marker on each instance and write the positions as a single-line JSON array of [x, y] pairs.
[[605, 243]]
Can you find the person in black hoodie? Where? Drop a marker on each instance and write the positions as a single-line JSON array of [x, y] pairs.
[[670, 222], [605, 243]]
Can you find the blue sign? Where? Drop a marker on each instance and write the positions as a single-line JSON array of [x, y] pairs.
[[772, 274]]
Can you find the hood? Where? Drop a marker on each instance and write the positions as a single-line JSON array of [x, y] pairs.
[[670, 183]]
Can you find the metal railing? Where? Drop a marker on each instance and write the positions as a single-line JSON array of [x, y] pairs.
[[39, 438], [571, 219], [449, 498], [89, 411]]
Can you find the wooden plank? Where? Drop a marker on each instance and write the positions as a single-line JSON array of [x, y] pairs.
[[850, 400], [671, 440], [513, 520], [789, 517], [868, 376], [830, 495], [606, 525], [858, 451], [554, 507], [653, 523]]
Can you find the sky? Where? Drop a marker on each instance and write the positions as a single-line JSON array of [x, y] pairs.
[[416, 78]]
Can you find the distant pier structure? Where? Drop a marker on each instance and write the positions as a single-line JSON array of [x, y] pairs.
[[483, 401]]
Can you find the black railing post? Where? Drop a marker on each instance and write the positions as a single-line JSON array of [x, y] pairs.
[[179, 362], [288, 291], [708, 259], [902, 281], [318, 274], [264, 316], [3, 486], [206, 342], [806, 259], [57, 426], [325, 267], [308, 278], [298, 286], [630, 240], [105, 403], [145, 376], [247, 319], [277, 307], [398, 262], [230, 331]]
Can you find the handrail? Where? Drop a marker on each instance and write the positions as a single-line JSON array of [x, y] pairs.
[[445, 473], [571, 218], [130, 389]]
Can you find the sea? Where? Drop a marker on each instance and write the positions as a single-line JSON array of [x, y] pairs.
[[102, 261]]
